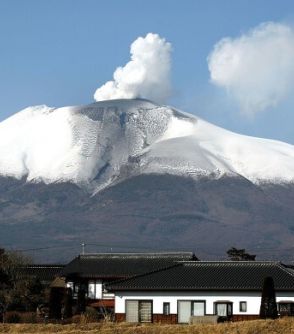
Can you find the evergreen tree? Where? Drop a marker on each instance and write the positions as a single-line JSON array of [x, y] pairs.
[[268, 306], [81, 302], [55, 300]]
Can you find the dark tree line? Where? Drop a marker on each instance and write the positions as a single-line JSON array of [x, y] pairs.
[[18, 291], [236, 254]]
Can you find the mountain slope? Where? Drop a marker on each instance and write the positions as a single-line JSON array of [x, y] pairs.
[[106, 142], [131, 175], [148, 212]]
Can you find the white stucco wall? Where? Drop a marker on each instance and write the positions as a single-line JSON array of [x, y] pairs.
[[253, 300]]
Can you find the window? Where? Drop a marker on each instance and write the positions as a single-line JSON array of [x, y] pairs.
[[224, 309], [132, 311], [145, 311], [198, 308], [91, 290], [286, 308], [243, 307], [70, 285], [186, 308], [75, 290], [94, 289], [138, 310], [184, 311], [166, 308]]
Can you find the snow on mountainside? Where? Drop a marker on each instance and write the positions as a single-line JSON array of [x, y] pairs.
[[105, 142]]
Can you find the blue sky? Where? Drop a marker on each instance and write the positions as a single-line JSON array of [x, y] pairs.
[[58, 52]]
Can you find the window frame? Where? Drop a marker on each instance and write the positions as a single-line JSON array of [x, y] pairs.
[[290, 305], [192, 301], [198, 301], [227, 303], [140, 301], [95, 283], [244, 303], [166, 304], [137, 311], [151, 311]]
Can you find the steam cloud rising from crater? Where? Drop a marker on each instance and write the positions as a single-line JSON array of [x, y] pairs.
[[146, 75]]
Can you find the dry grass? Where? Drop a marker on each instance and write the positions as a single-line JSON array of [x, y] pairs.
[[281, 326]]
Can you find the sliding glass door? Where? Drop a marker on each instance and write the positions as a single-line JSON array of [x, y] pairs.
[[139, 311], [188, 308]]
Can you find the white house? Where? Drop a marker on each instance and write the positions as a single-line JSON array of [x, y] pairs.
[[197, 288]]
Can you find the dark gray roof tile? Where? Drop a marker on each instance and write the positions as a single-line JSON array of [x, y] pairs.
[[44, 272], [202, 275], [121, 265]]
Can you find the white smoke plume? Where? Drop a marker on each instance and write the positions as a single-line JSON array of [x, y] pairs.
[[257, 68], [146, 75]]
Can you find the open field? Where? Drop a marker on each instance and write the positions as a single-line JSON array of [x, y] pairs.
[[281, 326]]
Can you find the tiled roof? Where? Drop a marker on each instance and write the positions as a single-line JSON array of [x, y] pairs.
[[44, 272], [200, 275], [121, 265]]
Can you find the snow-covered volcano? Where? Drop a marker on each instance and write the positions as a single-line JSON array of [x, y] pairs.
[[105, 142]]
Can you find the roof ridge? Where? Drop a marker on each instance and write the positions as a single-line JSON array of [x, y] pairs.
[[232, 262], [139, 254], [286, 269], [42, 267]]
